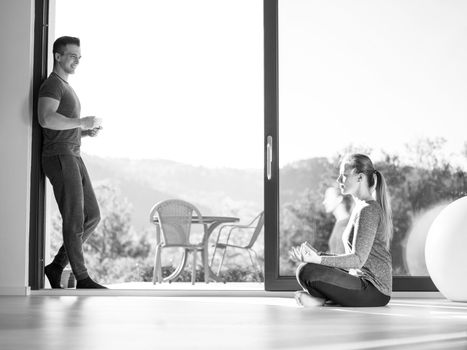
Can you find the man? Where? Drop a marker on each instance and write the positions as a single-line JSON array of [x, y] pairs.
[[59, 115]]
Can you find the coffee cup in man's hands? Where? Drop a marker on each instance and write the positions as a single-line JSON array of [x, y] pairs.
[[90, 122], [97, 123]]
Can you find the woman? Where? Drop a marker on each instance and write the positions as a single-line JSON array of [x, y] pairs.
[[362, 276]]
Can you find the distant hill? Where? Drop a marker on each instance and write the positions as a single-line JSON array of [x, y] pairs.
[[305, 175], [218, 191], [215, 191]]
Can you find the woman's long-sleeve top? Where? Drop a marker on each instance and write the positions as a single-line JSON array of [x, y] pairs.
[[368, 255]]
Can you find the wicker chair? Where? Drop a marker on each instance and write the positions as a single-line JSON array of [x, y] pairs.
[[173, 221], [254, 228]]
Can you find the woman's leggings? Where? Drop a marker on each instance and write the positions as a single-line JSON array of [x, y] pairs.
[[339, 286]]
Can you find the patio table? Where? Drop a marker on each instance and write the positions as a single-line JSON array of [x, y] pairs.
[[211, 222]]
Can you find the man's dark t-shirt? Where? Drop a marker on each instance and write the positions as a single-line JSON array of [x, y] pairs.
[[57, 142]]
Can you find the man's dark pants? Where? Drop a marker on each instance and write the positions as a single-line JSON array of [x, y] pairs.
[[78, 206]]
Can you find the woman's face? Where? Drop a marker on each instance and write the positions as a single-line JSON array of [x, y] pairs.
[[347, 180]]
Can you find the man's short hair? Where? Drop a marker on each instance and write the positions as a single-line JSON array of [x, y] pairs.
[[62, 42]]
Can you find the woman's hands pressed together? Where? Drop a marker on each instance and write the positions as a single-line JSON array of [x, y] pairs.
[[305, 253]]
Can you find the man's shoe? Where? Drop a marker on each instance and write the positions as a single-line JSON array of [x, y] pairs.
[[54, 275], [88, 283]]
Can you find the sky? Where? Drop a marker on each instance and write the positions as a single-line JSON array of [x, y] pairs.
[[183, 80]]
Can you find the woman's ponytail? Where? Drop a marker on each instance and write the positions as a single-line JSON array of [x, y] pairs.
[[382, 197]]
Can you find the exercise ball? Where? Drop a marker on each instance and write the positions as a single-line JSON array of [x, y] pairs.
[[445, 251]]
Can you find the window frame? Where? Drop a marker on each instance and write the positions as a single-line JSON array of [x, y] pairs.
[[273, 280], [37, 198]]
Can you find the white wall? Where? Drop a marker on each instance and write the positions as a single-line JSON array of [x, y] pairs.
[[16, 72]]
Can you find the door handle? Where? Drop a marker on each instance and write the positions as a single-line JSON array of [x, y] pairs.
[[269, 157]]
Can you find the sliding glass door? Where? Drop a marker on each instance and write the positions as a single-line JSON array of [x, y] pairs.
[[178, 85], [385, 78]]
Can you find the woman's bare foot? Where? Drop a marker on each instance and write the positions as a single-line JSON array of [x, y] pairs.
[[306, 300]]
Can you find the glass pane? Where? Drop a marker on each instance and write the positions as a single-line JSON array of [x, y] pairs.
[[179, 86], [386, 78]]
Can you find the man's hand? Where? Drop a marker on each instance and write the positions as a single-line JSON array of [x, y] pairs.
[[88, 123], [91, 132]]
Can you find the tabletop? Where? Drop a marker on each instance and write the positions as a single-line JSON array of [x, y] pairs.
[[209, 219]]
